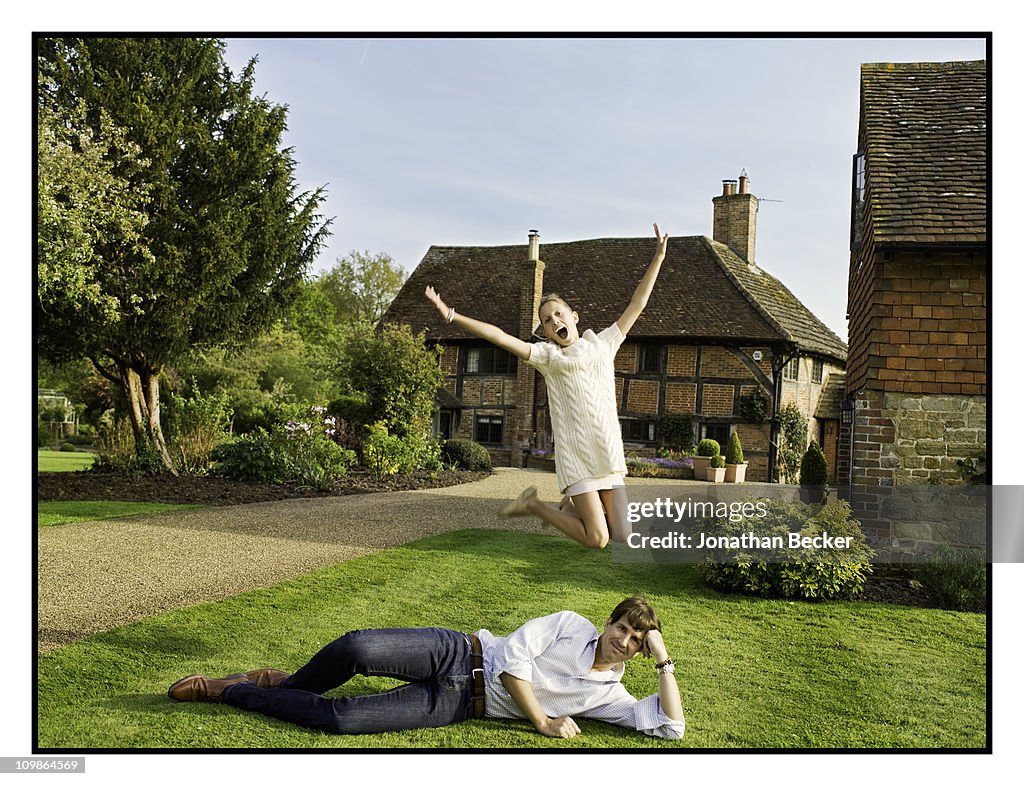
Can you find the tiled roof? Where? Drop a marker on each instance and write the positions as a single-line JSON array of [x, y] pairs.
[[830, 401], [924, 128], [772, 298], [704, 292]]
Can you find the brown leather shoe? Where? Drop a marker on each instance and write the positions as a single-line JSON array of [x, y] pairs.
[[202, 688], [268, 678]]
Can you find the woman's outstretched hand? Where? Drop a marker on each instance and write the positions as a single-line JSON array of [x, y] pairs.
[[435, 298], [662, 241]]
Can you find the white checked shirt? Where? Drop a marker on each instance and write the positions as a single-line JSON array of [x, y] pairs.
[[555, 654]]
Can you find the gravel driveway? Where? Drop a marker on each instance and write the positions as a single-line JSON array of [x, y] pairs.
[[98, 575]]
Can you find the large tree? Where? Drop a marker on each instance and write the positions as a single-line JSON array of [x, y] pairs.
[[212, 236]]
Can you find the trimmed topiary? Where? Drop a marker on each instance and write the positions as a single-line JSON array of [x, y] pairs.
[[708, 447], [814, 467], [717, 462], [734, 450]]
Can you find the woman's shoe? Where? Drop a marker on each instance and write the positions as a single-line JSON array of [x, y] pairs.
[[520, 505]]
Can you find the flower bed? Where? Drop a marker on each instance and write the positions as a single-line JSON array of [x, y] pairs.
[[647, 467], [638, 466]]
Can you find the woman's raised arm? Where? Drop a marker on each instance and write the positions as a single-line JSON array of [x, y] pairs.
[[484, 330], [643, 290]]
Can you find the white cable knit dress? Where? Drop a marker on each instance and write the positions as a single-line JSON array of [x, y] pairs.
[[580, 380]]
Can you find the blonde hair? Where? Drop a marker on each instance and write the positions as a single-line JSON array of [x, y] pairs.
[[550, 298]]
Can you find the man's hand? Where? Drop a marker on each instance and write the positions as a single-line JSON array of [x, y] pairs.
[[558, 727], [654, 646]]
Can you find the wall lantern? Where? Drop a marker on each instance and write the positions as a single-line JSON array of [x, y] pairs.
[[846, 417]]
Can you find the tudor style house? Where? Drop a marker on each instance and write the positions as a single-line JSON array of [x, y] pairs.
[[917, 309], [718, 333]]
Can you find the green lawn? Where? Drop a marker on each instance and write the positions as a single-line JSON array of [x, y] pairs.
[[59, 461], [753, 673], [68, 512]]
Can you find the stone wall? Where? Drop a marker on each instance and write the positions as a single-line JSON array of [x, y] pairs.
[[907, 439]]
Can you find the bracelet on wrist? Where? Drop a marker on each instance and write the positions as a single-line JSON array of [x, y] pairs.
[[665, 667], [451, 314]]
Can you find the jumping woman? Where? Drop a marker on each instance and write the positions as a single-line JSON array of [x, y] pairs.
[[590, 463]]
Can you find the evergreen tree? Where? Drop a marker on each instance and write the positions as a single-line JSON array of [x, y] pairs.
[[212, 236]]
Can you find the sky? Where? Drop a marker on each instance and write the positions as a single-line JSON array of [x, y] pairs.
[[424, 141]]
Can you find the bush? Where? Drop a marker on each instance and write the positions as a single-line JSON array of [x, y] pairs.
[[753, 407], [708, 447], [818, 574], [82, 438], [195, 425], [676, 432], [717, 462], [397, 377], [67, 447], [957, 579], [814, 467], [300, 452], [466, 454], [386, 454], [253, 456], [116, 450], [734, 451], [351, 414]]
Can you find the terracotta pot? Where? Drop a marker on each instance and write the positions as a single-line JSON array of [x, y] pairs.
[[700, 466]]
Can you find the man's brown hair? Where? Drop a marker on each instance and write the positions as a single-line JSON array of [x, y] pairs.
[[638, 613]]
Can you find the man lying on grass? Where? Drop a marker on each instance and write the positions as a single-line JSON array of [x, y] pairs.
[[550, 669]]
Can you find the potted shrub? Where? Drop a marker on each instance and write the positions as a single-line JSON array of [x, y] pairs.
[[706, 449], [716, 470], [735, 466], [813, 474]]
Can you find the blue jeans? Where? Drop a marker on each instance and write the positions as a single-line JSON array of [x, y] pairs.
[[435, 662]]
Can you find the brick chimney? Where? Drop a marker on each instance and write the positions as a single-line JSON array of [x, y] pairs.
[[531, 277], [735, 222]]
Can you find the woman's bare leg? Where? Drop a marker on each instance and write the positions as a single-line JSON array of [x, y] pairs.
[[616, 506], [584, 520]]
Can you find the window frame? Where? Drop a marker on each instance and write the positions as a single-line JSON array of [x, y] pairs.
[[626, 426], [490, 422], [486, 361], [646, 352], [858, 187], [705, 430]]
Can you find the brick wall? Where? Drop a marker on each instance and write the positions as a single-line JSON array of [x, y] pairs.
[[625, 359], [719, 362], [682, 361], [643, 396], [681, 398], [717, 400], [918, 323]]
